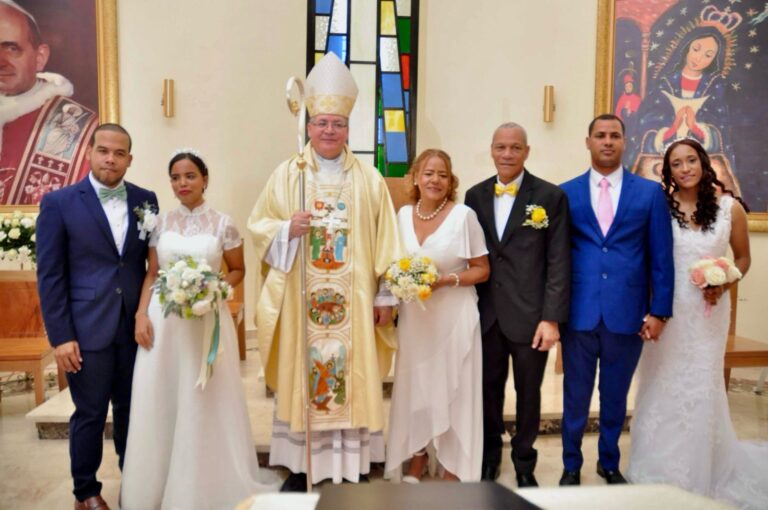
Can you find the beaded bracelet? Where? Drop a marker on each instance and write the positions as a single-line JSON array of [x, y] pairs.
[[456, 279]]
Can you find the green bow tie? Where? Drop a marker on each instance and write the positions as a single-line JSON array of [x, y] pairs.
[[106, 194]]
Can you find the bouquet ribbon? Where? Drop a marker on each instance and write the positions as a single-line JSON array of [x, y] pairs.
[[211, 346]]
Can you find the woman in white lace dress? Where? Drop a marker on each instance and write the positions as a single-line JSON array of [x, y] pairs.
[[437, 393], [189, 447], [681, 429]]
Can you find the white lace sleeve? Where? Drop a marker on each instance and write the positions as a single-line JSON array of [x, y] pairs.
[[230, 237], [155, 234]]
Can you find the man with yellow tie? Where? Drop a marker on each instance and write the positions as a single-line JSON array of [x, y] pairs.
[[525, 220]]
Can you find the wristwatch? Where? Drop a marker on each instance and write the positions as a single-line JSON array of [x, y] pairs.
[[662, 318]]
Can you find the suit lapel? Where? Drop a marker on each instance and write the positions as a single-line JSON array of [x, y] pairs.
[[133, 231], [486, 212], [517, 214], [627, 181], [92, 204], [586, 193]]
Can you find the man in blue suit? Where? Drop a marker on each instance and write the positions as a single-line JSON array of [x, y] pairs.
[[621, 292], [91, 262]]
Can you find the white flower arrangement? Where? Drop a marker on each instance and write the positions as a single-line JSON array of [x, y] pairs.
[[17, 237], [190, 289], [147, 215], [411, 278]]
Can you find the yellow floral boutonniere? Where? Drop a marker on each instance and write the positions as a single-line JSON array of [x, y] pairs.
[[536, 217]]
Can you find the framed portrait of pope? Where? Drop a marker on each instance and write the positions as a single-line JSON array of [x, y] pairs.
[[58, 80]]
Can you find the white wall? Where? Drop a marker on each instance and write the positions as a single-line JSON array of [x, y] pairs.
[[480, 64]]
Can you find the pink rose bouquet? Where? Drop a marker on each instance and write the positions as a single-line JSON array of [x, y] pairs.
[[712, 272]]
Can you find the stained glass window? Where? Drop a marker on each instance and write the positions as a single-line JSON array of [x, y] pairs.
[[378, 40]]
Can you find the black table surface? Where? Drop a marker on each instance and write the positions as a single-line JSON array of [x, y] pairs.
[[423, 496]]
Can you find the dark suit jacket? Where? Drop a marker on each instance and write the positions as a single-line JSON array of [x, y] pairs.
[[530, 268], [629, 272], [83, 281]]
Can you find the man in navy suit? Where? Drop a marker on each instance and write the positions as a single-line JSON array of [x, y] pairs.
[[621, 292], [91, 262]]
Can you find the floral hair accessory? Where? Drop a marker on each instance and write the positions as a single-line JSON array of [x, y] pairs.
[[536, 217], [187, 150]]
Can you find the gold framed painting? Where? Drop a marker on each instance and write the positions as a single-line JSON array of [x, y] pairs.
[[684, 68], [65, 83]]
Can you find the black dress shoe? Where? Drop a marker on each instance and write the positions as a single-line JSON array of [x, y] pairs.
[[570, 478], [296, 482], [363, 479], [526, 480], [613, 477], [489, 472]]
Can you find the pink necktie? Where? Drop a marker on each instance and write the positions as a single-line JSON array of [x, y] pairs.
[[604, 207]]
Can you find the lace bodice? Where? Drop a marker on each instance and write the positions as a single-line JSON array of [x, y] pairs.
[[691, 245], [681, 429], [201, 233]]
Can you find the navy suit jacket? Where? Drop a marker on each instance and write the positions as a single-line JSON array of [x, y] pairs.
[[83, 281], [530, 268], [627, 273]]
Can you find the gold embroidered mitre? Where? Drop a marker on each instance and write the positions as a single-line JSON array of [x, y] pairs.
[[331, 89]]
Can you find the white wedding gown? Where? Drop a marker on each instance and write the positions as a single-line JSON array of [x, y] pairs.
[[437, 392], [189, 448], [681, 429]]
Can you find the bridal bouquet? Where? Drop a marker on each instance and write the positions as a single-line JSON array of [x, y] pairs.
[[190, 289], [711, 272], [411, 278], [17, 237]]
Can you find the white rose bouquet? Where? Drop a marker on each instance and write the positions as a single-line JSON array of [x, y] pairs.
[[190, 289], [17, 237], [712, 272], [411, 278]]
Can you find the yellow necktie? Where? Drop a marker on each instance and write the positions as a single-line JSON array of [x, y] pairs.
[[509, 189]]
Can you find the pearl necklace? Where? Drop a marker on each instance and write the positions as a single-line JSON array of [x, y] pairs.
[[434, 213]]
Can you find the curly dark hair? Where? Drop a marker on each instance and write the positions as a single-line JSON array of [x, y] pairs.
[[706, 198]]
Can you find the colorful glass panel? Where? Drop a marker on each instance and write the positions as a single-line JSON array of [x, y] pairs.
[[338, 45], [321, 32], [403, 7], [339, 17], [377, 39], [392, 90], [404, 34], [323, 6], [388, 25], [389, 54], [406, 67], [397, 151], [394, 121]]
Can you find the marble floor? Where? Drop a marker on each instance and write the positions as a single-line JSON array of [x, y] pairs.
[[34, 473]]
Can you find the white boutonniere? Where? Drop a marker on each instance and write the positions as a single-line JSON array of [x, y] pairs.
[[536, 217], [147, 215]]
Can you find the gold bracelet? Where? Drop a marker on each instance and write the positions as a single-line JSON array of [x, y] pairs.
[[457, 281]]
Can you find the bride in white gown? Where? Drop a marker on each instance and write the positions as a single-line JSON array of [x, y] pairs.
[[681, 429], [437, 393], [188, 447]]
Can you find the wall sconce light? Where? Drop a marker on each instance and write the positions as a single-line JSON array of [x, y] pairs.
[[549, 103], [168, 102]]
